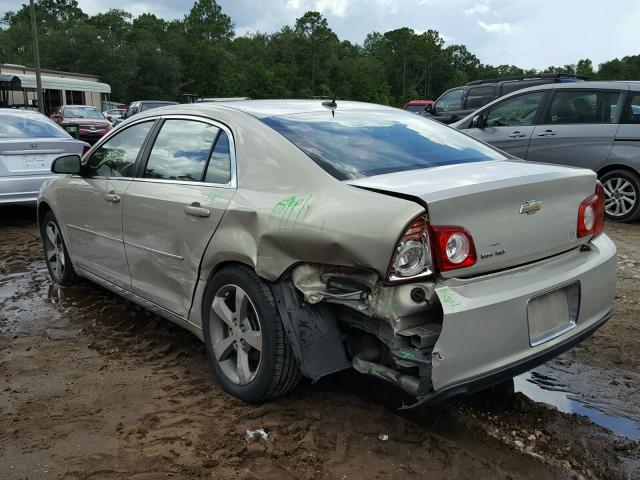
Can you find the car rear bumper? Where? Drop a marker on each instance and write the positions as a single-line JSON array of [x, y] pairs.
[[485, 331], [21, 190]]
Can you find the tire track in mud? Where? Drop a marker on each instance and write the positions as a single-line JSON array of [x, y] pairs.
[[118, 392]]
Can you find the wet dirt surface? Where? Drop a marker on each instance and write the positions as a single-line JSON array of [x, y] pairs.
[[94, 387]]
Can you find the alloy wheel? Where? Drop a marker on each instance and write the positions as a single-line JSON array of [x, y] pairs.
[[620, 197], [54, 250], [236, 334]]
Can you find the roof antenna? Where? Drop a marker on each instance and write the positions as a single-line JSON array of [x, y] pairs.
[[331, 105]]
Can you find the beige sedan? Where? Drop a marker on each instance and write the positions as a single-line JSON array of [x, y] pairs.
[[300, 238]]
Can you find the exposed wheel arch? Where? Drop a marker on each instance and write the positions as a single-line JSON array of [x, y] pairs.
[[43, 209], [610, 168]]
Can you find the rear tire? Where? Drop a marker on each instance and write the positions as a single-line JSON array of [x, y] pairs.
[[55, 251], [245, 338], [622, 195]]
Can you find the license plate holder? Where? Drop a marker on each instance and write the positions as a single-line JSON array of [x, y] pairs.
[[553, 313]]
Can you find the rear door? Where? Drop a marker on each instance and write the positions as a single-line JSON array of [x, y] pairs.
[[174, 206], [509, 124], [93, 204], [578, 128]]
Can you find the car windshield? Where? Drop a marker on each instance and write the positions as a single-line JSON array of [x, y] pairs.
[[29, 126], [83, 112], [363, 143]]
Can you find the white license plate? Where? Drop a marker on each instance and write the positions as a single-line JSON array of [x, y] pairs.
[[34, 161], [552, 314]]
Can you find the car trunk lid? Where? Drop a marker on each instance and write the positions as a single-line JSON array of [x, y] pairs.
[[33, 156], [516, 212]]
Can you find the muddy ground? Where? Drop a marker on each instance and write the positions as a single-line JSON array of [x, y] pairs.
[[92, 386]]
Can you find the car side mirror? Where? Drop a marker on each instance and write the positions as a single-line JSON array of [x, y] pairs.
[[477, 122], [429, 108], [68, 164]]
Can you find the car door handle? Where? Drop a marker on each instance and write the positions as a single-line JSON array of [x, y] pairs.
[[517, 135], [111, 197], [195, 210], [547, 133]]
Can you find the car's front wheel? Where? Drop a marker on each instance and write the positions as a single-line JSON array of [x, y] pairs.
[[55, 251], [622, 195], [245, 338]]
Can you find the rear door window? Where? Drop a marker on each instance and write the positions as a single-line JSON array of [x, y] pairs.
[[479, 96], [577, 107], [181, 150], [517, 111], [450, 101]]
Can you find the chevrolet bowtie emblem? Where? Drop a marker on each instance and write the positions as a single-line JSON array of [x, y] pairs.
[[530, 207]]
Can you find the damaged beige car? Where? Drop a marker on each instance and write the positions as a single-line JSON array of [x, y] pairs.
[[301, 238]]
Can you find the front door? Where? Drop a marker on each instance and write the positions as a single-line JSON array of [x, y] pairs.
[[509, 124], [578, 129], [173, 209], [93, 203]]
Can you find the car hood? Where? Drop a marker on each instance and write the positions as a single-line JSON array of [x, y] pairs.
[[85, 121]]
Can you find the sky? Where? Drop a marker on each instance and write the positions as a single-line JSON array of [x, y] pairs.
[[526, 33]]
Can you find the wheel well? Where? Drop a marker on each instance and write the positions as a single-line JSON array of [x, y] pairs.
[[611, 168], [43, 208]]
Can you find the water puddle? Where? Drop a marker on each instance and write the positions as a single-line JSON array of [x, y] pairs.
[[577, 388]]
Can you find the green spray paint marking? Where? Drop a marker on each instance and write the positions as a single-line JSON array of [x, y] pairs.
[[292, 211], [448, 297], [213, 196], [406, 354], [381, 371], [322, 227]]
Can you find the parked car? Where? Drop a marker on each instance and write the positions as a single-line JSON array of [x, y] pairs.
[[459, 102], [81, 121], [417, 106], [114, 114], [142, 106], [300, 238], [593, 125], [29, 142]]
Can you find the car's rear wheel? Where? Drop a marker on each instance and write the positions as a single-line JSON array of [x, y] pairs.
[[622, 195], [55, 251], [245, 338]]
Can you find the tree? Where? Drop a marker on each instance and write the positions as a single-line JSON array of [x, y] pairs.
[[316, 38]]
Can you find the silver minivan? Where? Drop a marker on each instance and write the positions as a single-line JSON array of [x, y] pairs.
[[594, 125]]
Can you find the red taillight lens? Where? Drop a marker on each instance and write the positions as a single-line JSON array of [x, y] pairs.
[[412, 257], [453, 247], [591, 214]]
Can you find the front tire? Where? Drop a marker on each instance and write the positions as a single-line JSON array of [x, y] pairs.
[[55, 251], [245, 338], [621, 195]]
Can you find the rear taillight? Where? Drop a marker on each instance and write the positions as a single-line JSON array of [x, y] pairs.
[[423, 246], [412, 257], [591, 214], [453, 247]]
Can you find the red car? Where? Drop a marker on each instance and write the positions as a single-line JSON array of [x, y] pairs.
[[81, 121], [417, 106]]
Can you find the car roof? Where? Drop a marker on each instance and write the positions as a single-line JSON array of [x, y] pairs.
[[19, 111], [273, 108]]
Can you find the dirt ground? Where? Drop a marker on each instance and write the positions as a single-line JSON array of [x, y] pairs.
[[94, 387]]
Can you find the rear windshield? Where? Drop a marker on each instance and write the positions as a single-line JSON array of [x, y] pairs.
[[29, 126], [363, 143], [83, 112]]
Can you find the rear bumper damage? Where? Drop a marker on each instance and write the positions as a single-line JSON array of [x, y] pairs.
[[438, 339]]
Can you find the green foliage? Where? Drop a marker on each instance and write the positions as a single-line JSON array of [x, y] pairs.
[[150, 58]]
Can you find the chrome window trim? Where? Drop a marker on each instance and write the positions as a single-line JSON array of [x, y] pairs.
[[233, 181], [231, 184]]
